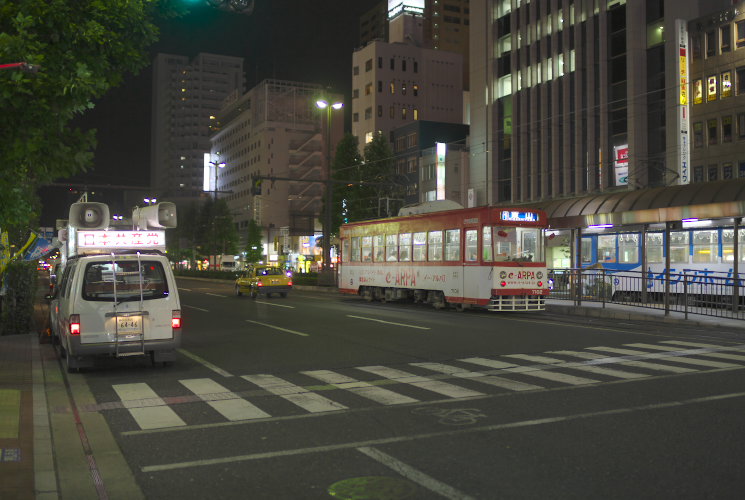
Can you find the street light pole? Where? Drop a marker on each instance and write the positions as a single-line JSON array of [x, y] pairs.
[[216, 164], [328, 276]]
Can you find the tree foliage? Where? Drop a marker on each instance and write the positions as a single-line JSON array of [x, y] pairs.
[[254, 249], [83, 48], [346, 167], [216, 233]]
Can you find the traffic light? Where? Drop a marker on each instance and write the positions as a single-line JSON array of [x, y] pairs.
[[255, 184]]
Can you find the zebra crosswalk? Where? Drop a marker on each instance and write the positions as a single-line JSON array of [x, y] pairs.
[[250, 396]]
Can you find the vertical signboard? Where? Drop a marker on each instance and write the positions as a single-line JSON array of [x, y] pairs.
[[442, 149], [621, 164], [207, 176], [681, 31]]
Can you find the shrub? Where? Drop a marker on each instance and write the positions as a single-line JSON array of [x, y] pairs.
[[17, 308]]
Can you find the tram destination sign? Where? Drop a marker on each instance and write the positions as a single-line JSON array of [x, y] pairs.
[[514, 216]]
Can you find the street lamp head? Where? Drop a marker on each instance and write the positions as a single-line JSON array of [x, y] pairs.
[[322, 104], [337, 105]]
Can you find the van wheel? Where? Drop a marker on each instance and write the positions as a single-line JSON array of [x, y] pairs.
[[283, 294], [238, 292]]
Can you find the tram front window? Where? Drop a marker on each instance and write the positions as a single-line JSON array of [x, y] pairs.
[[517, 244]]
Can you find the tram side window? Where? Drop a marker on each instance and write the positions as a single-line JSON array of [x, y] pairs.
[[606, 248], [586, 248], [654, 248], [486, 242], [728, 254], [420, 247], [435, 245], [472, 245], [355, 255], [345, 250], [505, 239], [379, 248], [705, 246], [404, 247], [367, 249], [679, 247], [628, 248], [391, 247], [452, 244], [529, 250]]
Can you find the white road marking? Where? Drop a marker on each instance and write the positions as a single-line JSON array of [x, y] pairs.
[[305, 399], [278, 328], [195, 307], [273, 304], [216, 295], [609, 372], [636, 364], [720, 355], [389, 322], [185, 289], [434, 435], [666, 357], [205, 363], [478, 377], [532, 372], [225, 402], [695, 361], [450, 390], [148, 410], [413, 474], [364, 389]]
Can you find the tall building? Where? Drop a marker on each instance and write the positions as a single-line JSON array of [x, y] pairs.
[[570, 97], [276, 131], [717, 94], [445, 24], [187, 94], [396, 83]]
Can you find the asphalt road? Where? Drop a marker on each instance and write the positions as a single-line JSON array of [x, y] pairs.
[[319, 396]]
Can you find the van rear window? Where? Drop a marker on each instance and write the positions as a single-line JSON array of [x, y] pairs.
[[120, 281]]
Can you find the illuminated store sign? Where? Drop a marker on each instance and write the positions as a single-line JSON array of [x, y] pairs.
[[121, 239], [396, 7], [519, 216]]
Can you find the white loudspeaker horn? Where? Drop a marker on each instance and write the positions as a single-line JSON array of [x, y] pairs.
[[160, 215], [89, 215]]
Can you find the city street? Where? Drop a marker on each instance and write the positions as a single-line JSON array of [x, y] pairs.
[[321, 395]]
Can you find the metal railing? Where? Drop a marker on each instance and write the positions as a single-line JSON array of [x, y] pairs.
[[709, 293]]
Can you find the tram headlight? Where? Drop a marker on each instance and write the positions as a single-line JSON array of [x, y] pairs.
[[503, 283], [539, 274]]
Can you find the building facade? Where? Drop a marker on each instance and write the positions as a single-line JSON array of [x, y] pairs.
[[570, 97], [394, 84], [717, 94], [186, 95], [276, 131]]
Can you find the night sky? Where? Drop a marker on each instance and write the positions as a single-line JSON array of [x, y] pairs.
[[302, 40]]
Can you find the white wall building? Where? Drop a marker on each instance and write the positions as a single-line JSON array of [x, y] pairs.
[[276, 130], [396, 83]]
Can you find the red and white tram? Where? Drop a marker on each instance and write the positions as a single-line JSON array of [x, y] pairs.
[[489, 257]]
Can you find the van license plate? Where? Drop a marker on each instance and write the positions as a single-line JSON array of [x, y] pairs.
[[129, 324]]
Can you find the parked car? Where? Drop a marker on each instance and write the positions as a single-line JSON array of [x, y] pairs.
[[263, 280]]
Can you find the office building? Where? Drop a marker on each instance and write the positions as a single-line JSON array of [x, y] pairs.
[[187, 93], [570, 97]]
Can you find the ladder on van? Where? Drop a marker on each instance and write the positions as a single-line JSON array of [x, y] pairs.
[[140, 314]]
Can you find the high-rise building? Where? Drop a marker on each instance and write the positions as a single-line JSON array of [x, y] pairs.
[[445, 25], [570, 97], [717, 94], [277, 132], [187, 94], [395, 83]]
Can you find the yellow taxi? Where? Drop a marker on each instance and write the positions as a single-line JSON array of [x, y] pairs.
[[263, 280]]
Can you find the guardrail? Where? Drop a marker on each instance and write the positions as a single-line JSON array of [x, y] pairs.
[[709, 294]]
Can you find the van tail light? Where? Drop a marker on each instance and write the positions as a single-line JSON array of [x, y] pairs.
[[75, 324], [176, 319]]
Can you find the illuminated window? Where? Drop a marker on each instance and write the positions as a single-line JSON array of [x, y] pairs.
[[393, 87], [391, 247], [679, 246], [434, 244], [404, 247], [452, 245], [607, 248], [415, 89], [628, 248], [654, 248], [726, 84], [420, 247], [379, 248], [698, 91], [486, 242], [705, 244], [355, 254], [416, 114], [711, 92], [367, 248]]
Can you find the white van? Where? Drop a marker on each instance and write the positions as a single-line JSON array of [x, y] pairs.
[[115, 300]]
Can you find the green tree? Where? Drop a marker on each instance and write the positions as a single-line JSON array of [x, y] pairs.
[[182, 240], [379, 172], [254, 249], [216, 233], [84, 48], [345, 168]]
